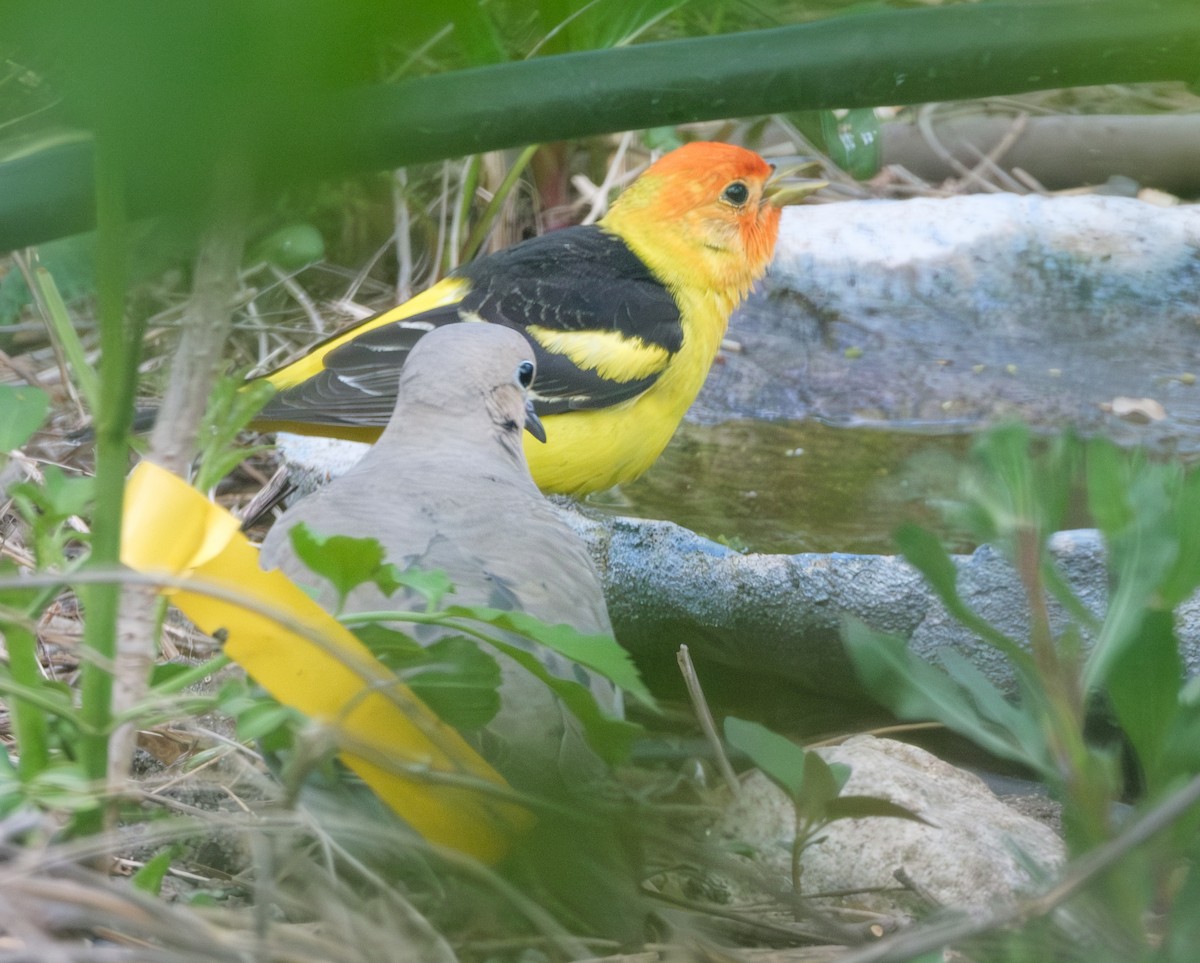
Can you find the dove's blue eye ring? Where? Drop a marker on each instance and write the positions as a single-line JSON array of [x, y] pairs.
[[525, 374]]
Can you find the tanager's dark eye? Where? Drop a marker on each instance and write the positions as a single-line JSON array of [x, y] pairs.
[[736, 193], [525, 374]]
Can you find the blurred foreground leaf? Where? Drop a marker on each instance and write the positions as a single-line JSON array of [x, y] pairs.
[[286, 84], [24, 410]]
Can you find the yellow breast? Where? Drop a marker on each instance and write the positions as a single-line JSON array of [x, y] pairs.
[[590, 450]]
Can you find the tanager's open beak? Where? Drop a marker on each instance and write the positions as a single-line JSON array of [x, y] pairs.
[[786, 187]]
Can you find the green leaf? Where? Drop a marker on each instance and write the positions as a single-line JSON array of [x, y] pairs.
[[1183, 930], [1142, 552], [343, 561], [913, 689], [780, 759], [1183, 579], [264, 718], [925, 553], [17, 599], [150, 877], [1143, 690], [164, 672], [1061, 591], [232, 405], [430, 584], [600, 653], [64, 787], [820, 787], [1107, 487], [66, 338], [459, 682], [1181, 750], [24, 410], [67, 495], [1017, 720], [853, 140], [290, 247], [237, 695], [395, 649], [453, 676], [862, 807], [58, 497], [120, 71], [610, 738], [48, 506]]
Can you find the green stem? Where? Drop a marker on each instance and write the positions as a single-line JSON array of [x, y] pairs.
[[59, 320], [42, 698], [799, 838], [29, 722], [121, 345], [480, 231], [462, 213], [198, 673]]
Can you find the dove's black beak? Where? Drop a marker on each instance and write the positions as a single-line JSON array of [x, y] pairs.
[[533, 424]]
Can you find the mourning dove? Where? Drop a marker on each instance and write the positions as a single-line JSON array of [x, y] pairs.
[[447, 487]]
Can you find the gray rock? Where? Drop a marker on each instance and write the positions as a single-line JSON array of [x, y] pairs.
[[957, 311], [975, 852], [783, 614]]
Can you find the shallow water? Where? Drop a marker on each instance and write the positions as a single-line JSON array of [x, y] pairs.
[[793, 487]]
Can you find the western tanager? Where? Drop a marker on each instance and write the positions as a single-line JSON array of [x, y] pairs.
[[471, 509], [625, 316]]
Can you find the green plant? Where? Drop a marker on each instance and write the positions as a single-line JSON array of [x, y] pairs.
[[231, 406], [40, 708], [813, 785], [1125, 661], [349, 562]]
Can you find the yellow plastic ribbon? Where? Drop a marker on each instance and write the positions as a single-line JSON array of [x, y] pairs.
[[172, 529]]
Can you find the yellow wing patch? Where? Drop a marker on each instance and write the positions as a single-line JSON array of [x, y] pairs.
[[610, 354], [446, 291]]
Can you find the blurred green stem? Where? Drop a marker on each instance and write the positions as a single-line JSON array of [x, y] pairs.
[[29, 722], [59, 321], [480, 231], [121, 349]]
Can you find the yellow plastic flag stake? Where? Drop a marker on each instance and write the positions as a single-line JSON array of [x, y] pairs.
[[172, 529]]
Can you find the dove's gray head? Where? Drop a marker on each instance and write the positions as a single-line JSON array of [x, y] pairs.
[[468, 372]]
